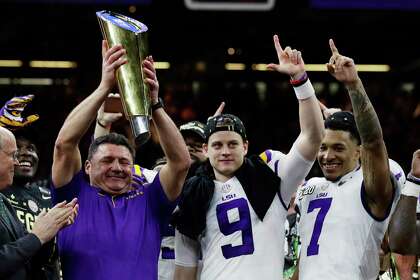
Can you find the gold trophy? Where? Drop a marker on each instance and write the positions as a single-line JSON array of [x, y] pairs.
[[131, 34]]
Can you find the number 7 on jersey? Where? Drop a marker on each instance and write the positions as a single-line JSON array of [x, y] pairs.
[[324, 205]]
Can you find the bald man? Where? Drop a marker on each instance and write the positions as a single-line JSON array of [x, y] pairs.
[[23, 253]]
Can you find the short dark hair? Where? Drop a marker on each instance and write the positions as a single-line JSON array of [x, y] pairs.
[[29, 134], [343, 121], [111, 138]]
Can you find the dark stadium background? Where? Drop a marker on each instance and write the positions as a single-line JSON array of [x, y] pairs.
[[364, 30]]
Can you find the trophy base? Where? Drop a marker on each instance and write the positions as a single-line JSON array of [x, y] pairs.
[[140, 128]]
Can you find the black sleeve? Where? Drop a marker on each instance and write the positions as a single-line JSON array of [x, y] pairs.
[[45, 263], [14, 255], [16, 252]]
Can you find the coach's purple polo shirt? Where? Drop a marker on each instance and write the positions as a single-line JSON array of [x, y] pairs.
[[112, 238]]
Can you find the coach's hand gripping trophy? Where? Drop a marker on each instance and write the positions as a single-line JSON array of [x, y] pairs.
[[131, 34]]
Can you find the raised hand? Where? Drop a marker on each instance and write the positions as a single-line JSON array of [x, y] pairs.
[[342, 68], [112, 59], [11, 113], [151, 78], [107, 118], [219, 110], [290, 61], [327, 111]]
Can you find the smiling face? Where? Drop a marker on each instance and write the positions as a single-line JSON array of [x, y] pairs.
[[7, 159], [226, 151], [28, 159], [338, 155], [110, 168]]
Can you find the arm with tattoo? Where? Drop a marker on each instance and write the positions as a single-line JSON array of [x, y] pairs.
[[374, 157]]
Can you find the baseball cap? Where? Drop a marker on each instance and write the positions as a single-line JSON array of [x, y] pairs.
[[225, 122], [195, 127]]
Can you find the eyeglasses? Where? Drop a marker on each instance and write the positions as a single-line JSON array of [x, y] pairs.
[[13, 155]]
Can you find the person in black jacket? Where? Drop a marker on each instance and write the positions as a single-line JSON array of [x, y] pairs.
[[21, 253], [28, 194]]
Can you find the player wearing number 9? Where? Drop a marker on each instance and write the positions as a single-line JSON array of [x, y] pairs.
[[344, 215], [234, 209]]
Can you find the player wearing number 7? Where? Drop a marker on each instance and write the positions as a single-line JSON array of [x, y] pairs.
[[344, 215], [235, 208]]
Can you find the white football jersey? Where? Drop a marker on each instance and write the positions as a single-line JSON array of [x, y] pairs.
[[235, 243], [340, 239], [166, 265]]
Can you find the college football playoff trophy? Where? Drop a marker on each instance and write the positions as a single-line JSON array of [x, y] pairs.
[[131, 34]]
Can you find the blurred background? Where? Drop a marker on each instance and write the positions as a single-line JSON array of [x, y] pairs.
[[212, 51]]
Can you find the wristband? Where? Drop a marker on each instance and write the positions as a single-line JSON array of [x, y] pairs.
[[299, 81], [304, 90], [157, 105], [411, 189]]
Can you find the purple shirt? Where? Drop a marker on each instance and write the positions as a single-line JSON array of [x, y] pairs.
[[112, 238]]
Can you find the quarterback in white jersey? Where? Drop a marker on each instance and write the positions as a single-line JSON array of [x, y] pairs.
[[234, 210], [236, 244], [344, 216]]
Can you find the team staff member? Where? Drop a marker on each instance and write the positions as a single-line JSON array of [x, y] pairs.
[[27, 195]]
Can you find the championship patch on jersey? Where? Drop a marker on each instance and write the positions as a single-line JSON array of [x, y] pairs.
[[226, 188], [33, 206], [305, 190]]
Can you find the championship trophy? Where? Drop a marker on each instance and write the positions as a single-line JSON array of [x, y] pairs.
[[131, 34]]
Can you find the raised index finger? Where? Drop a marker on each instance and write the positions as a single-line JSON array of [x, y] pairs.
[[333, 48], [219, 110], [277, 45]]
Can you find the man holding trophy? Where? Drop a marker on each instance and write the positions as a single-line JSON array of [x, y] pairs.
[[118, 232]]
